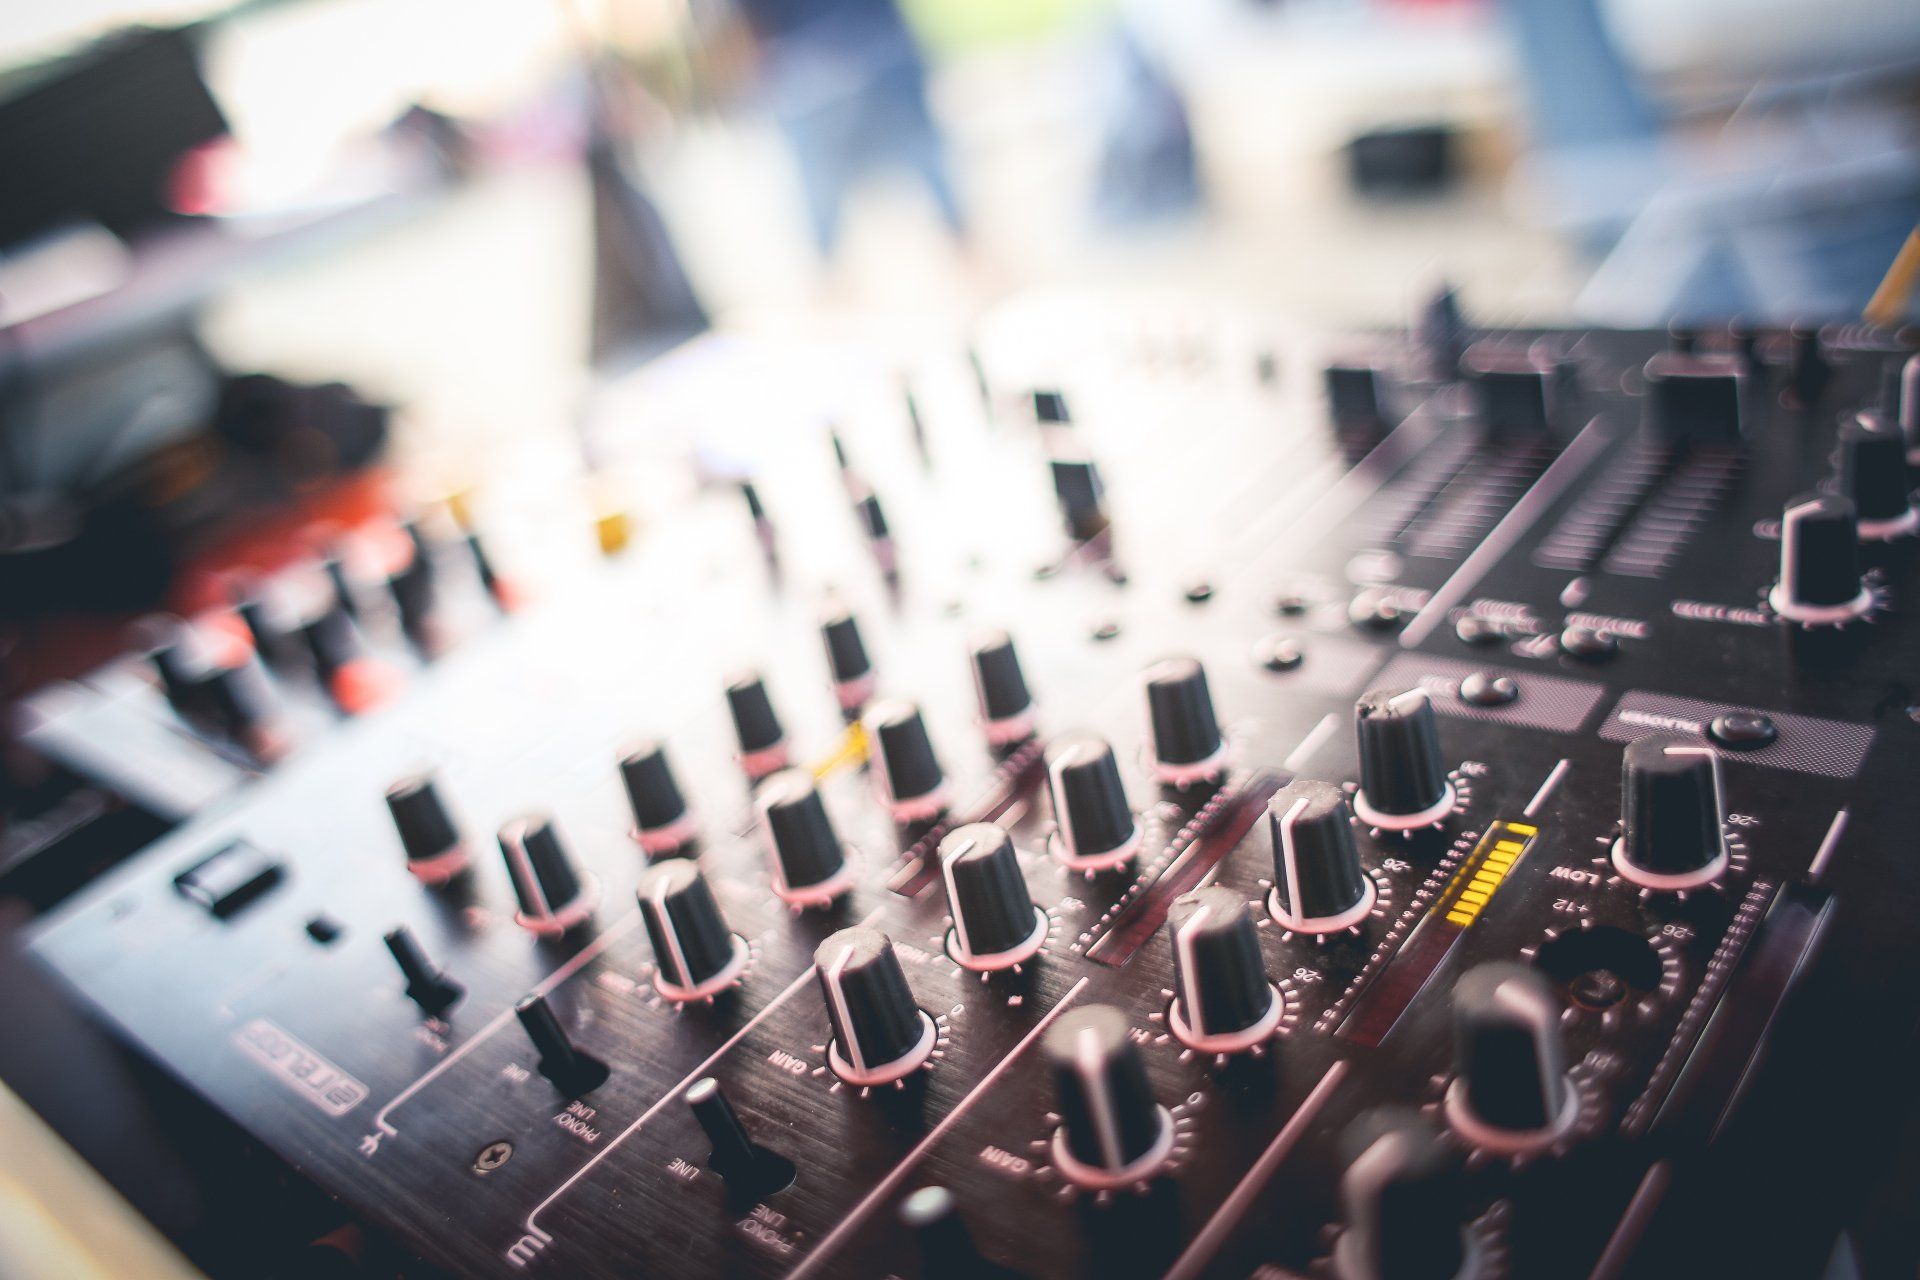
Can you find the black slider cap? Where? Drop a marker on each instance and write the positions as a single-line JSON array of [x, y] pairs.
[[1096, 827], [993, 913], [1873, 476], [1318, 884], [570, 1070], [909, 773], [1219, 979], [1110, 1123], [873, 518], [427, 986], [427, 831], [694, 954], [553, 895], [756, 727], [999, 682], [1513, 388], [810, 863], [878, 1032], [1050, 407], [652, 793], [1186, 737], [1404, 1197], [1695, 399], [1508, 1054], [1354, 397]]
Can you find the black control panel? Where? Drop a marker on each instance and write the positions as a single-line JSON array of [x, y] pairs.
[[1162, 797]]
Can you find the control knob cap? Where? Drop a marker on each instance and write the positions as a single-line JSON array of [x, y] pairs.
[[879, 1034], [1404, 1197], [995, 924], [554, 895], [908, 774], [435, 852], [1112, 1133], [1820, 582], [756, 725], [1403, 780], [1873, 476], [1222, 1000], [695, 957], [662, 823], [1097, 829], [810, 867], [1510, 1091], [1187, 746], [1318, 884], [847, 660], [1006, 706], [1670, 814]]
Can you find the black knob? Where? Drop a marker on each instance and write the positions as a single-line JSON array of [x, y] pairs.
[[750, 1170], [1112, 1133], [1907, 416], [1873, 476], [907, 772], [239, 701], [879, 1034], [1808, 369], [427, 987], [435, 852], [847, 660], [571, 1070], [756, 726], [662, 822], [1510, 1091], [1670, 814], [1404, 1197], [1403, 781], [415, 590], [995, 924], [1082, 498], [554, 896], [1187, 746], [272, 623], [1096, 828], [1355, 398], [1006, 707], [1820, 583], [1318, 884], [810, 867], [1222, 1000], [500, 588], [873, 521], [355, 679], [694, 955], [1513, 388], [1695, 399], [1050, 406]]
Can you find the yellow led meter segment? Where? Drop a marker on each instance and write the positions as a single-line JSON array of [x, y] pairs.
[[1484, 871]]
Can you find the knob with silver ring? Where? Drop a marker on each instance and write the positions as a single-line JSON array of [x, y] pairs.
[[1112, 1133], [554, 895], [1511, 1093], [879, 1035], [1672, 808], [1096, 829], [809, 864], [1223, 1002], [695, 956], [995, 924], [1319, 886], [1820, 581], [1403, 779]]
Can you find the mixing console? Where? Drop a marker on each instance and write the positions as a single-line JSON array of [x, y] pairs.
[[1163, 796]]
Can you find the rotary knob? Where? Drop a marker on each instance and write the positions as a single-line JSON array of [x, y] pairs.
[[1403, 781], [1112, 1133], [1096, 829], [1671, 810], [1187, 746], [695, 956], [1404, 1197], [1510, 1092], [756, 725], [1873, 476], [1082, 498], [662, 822], [847, 661], [1222, 1000], [995, 924], [810, 867], [1820, 582], [1006, 707], [435, 852], [879, 1034], [554, 895], [1318, 884], [907, 773]]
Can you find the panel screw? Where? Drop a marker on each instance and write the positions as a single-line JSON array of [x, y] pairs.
[[492, 1156]]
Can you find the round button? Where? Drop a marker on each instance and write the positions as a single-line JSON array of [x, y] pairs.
[[1588, 644], [1199, 592], [1474, 629], [1290, 604], [1279, 653], [1484, 689], [1371, 610], [1743, 730]]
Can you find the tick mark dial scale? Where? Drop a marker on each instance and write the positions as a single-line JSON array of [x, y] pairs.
[[1252, 806]]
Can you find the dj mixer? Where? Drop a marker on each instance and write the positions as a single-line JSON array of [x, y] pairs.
[[1144, 792]]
